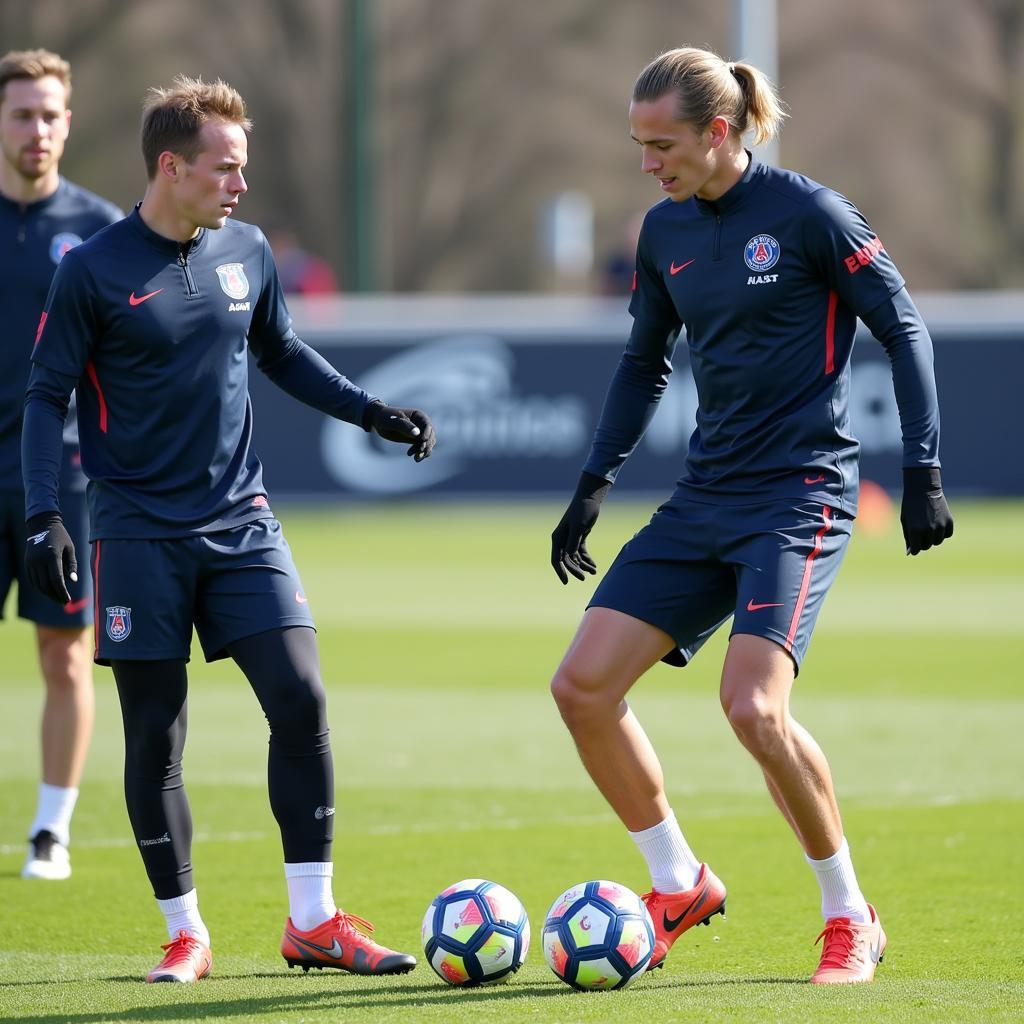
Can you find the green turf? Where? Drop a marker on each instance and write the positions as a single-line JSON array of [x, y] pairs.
[[439, 629]]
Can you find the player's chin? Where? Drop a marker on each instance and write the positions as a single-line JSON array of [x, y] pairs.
[[34, 168]]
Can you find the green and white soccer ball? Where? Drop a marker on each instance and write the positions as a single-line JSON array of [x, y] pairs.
[[598, 935], [475, 932]]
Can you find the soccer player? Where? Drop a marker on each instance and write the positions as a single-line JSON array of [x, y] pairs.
[[767, 272], [152, 319], [42, 215]]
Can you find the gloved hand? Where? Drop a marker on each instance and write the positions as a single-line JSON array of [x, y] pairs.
[[924, 514], [49, 556], [568, 550], [402, 425]]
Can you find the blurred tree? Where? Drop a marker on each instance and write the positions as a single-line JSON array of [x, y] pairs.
[[505, 108], [485, 110], [917, 109]]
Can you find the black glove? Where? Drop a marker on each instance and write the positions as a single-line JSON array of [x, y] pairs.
[[568, 550], [402, 425], [925, 516], [49, 556]]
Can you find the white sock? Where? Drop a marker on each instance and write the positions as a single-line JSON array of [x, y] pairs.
[[53, 812], [670, 860], [840, 892], [182, 913], [310, 894]]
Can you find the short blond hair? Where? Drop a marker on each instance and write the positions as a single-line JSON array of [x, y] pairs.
[[32, 65], [172, 119], [709, 86]]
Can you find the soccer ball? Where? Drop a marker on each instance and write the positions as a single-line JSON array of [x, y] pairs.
[[598, 935], [475, 932]]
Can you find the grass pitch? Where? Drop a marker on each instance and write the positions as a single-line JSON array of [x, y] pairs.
[[440, 627]]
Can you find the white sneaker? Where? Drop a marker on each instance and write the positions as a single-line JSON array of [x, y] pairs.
[[46, 858]]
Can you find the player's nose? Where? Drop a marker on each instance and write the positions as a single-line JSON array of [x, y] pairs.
[[649, 162]]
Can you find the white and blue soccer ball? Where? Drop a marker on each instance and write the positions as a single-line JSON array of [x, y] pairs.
[[598, 935], [475, 932]]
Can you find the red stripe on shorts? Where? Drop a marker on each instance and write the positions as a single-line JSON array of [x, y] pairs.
[[805, 583], [96, 597]]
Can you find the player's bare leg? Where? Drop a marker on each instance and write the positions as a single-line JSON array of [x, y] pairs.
[[757, 680], [610, 651], [756, 683], [65, 660]]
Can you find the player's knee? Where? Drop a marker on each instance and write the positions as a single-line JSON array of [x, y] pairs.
[[152, 745], [758, 722], [578, 696], [64, 660], [300, 712]]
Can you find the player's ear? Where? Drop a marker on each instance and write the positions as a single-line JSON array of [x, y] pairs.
[[169, 165], [718, 131]]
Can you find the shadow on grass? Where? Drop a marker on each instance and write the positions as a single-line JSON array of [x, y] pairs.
[[716, 982], [327, 1000], [295, 1003]]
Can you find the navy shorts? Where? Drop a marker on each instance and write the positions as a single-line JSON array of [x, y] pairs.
[[32, 604], [694, 565], [229, 585]]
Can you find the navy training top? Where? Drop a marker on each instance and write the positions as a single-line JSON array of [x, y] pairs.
[[155, 333], [768, 282], [33, 239]]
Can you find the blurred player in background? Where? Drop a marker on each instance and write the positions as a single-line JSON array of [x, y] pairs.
[[301, 272], [767, 271], [42, 215], [152, 320]]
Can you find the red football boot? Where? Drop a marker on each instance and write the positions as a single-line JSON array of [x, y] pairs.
[[186, 960], [675, 912], [342, 942], [851, 950]]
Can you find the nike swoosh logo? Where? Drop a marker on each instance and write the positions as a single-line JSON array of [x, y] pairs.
[[300, 599], [334, 950], [673, 269], [671, 924], [75, 606], [814, 479], [876, 950], [136, 300], [751, 607]]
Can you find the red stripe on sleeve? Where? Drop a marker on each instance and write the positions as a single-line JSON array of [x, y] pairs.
[[91, 370], [830, 333], [805, 583]]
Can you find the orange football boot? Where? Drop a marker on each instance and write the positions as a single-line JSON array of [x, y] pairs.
[[674, 912], [851, 950], [342, 942], [186, 959]]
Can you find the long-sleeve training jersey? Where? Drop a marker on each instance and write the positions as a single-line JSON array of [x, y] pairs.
[[768, 282], [155, 334], [33, 239]]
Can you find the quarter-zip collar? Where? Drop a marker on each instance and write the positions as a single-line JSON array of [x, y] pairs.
[[34, 205], [170, 246]]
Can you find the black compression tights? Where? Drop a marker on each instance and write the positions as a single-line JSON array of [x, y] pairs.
[[283, 669]]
